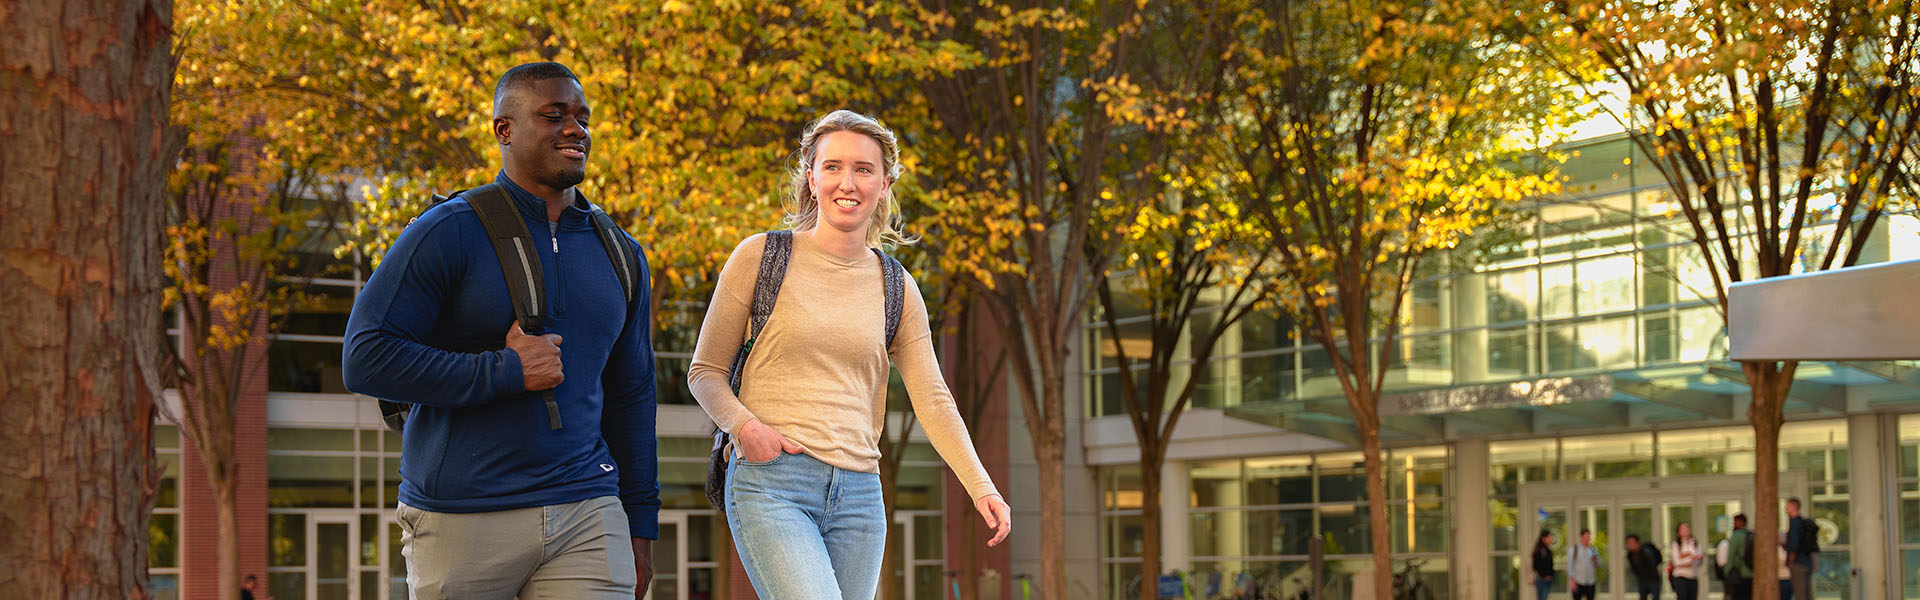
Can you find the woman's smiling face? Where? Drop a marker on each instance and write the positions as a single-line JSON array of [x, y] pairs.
[[849, 180]]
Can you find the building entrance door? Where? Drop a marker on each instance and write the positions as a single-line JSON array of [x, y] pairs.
[[686, 559], [1650, 507]]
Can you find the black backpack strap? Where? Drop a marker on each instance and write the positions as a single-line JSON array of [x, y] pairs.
[[766, 291], [894, 275], [519, 262], [625, 262]]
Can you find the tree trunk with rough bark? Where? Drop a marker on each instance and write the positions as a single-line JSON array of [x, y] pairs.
[[86, 87], [1050, 450]]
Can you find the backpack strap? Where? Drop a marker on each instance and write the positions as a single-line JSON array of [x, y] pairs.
[[519, 262], [625, 263], [766, 291], [894, 276]]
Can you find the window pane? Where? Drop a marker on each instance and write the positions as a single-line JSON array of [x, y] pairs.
[[1285, 480], [1216, 483], [1345, 529], [311, 367], [1606, 284], [1719, 450], [1417, 472], [164, 587], [1556, 291], [1418, 526], [1120, 488], [1343, 477], [928, 540], [1509, 352], [1608, 342], [1510, 295], [280, 438], [370, 540], [1124, 537], [1607, 456], [309, 481], [1702, 335], [287, 539], [168, 494], [1277, 532], [324, 311], [163, 540]]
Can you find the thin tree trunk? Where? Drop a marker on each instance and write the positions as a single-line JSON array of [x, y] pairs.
[[227, 509], [1050, 450], [1149, 524], [1377, 513], [1768, 382], [86, 87]]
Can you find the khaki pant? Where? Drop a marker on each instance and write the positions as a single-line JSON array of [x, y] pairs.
[[575, 550], [1801, 577]]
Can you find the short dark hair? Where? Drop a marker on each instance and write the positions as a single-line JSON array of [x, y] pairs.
[[1794, 501], [1584, 531], [1740, 517], [524, 75], [1635, 537], [250, 577]]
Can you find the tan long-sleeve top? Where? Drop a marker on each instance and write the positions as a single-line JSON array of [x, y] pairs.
[[818, 373]]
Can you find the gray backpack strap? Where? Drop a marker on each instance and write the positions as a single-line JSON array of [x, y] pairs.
[[625, 263], [895, 277], [766, 291]]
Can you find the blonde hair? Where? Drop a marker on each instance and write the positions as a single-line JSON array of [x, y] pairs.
[[803, 209]]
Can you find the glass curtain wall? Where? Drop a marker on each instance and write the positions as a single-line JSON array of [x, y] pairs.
[[1603, 278], [1252, 520], [1817, 448], [1909, 511]]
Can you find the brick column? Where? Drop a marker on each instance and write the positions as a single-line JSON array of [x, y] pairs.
[[199, 514], [966, 534]]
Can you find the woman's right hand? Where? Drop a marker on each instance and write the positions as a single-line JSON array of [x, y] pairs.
[[760, 443]]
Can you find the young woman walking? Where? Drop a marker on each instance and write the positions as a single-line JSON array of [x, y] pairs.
[[1685, 574], [803, 490]]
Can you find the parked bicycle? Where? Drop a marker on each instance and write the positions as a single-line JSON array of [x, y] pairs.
[[1407, 584]]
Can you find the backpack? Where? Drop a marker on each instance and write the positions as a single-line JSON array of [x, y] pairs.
[[513, 246], [766, 291], [1810, 536]]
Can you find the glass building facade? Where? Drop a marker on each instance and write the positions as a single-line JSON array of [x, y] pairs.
[[1600, 290]]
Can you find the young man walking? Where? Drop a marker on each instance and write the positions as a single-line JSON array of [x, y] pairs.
[[527, 470], [1583, 568], [1801, 543]]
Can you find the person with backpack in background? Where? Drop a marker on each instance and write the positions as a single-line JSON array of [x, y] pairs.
[[1683, 573], [526, 470], [791, 364], [1644, 561], [1583, 568], [1801, 542], [1734, 559]]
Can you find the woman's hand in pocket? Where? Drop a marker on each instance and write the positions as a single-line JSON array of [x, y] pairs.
[[760, 443]]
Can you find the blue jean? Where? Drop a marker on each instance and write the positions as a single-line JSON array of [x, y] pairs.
[[1541, 587], [806, 529]]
